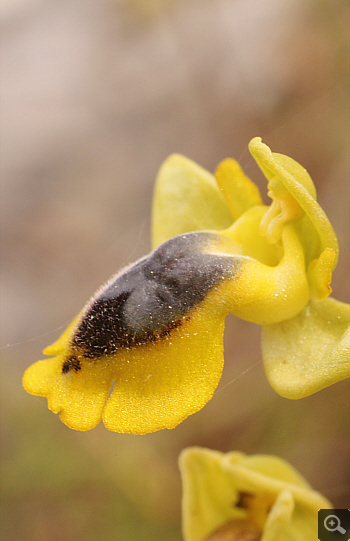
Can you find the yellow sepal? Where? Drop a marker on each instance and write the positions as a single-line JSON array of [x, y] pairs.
[[186, 198], [310, 351]]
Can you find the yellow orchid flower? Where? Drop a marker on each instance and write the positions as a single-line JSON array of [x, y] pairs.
[[234, 496], [147, 350]]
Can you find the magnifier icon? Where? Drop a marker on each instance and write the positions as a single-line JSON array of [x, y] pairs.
[[332, 524]]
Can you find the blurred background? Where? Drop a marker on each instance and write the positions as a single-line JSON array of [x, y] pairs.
[[94, 96]]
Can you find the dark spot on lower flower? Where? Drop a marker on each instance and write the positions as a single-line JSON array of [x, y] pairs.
[[244, 500]]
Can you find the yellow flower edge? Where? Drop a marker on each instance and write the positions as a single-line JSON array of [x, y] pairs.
[[264, 491]]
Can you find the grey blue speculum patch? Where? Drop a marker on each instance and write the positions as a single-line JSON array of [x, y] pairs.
[[153, 296]]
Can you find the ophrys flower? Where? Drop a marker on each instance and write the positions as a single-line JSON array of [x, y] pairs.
[[147, 350]]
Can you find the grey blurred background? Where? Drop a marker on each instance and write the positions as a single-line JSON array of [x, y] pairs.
[[94, 96]]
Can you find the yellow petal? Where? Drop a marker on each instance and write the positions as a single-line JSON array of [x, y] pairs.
[[310, 351], [186, 198], [279, 518], [270, 475], [290, 520], [272, 467], [240, 192]]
